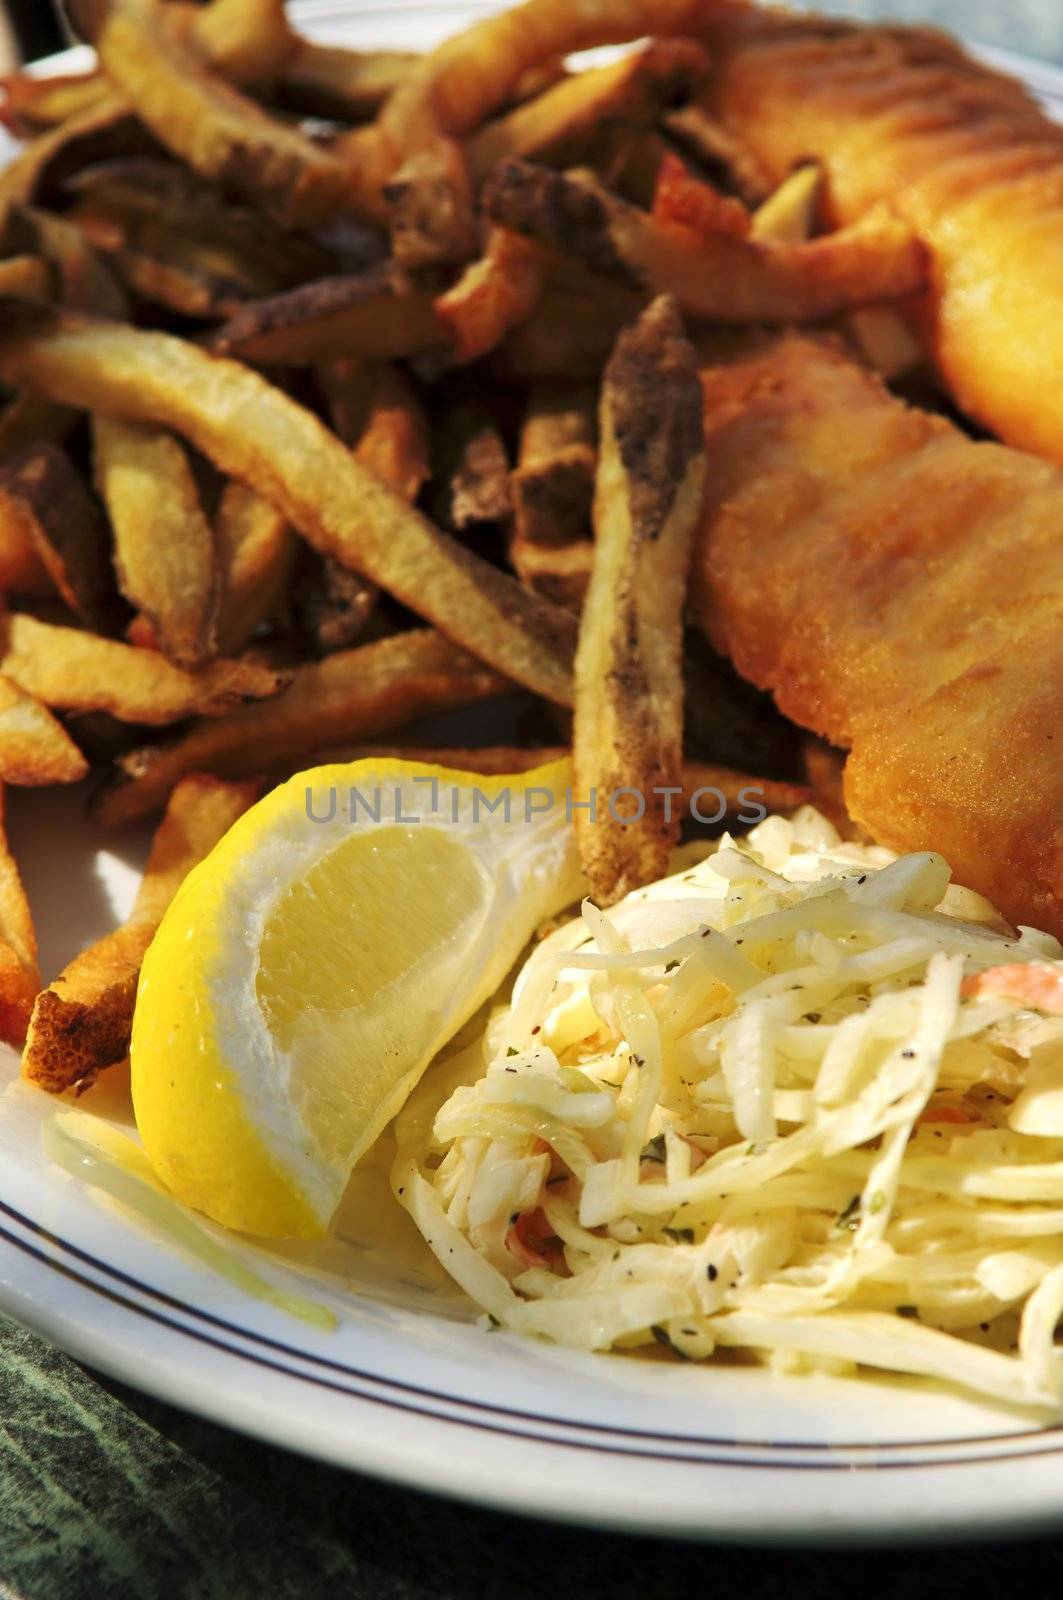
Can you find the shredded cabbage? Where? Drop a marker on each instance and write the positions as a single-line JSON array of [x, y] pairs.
[[765, 1104]]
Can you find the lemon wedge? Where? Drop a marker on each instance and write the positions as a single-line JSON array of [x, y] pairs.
[[310, 968]]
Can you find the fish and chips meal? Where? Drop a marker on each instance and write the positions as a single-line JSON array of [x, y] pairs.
[[569, 554]]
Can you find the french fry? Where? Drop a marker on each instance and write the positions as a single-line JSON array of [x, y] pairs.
[[19, 975], [203, 120], [247, 41], [585, 119], [553, 483], [253, 432], [24, 277], [331, 606], [430, 208], [84, 283], [32, 105], [345, 85], [375, 313], [375, 409], [189, 291], [691, 202], [569, 334], [739, 792], [255, 553], [789, 215], [470, 464], [366, 693], [163, 544], [107, 129], [81, 1022], [628, 727], [723, 279], [493, 295], [74, 671], [724, 157], [35, 748], [66, 526], [26, 420], [552, 489]]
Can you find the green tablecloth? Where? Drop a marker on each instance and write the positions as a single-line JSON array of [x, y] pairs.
[[104, 1493]]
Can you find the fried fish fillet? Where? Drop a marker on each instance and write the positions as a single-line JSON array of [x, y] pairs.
[[963, 153], [899, 588]]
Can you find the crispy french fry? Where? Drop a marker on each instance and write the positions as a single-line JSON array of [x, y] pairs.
[[569, 334], [376, 410], [628, 728], [706, 786], [552, 489], [692, 202], [430, 208], [367, 693], [19, 975], [723, 279], [66, 526], [700, 135], [203, 120], [27, 419], [32, 104], [257, 434], [107, 129], [35, 748], [81, 1022], [493, 295], [84, 283], [789, 215], [247, 41], [24, 277], [470, 465], [255, 553], [375, 313], [163, 544], [331, 606], [189, 291], [553, 483], [346, 85], [583, 120], [74, 671]]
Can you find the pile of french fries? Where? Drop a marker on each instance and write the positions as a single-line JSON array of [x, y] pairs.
[[345, 390]]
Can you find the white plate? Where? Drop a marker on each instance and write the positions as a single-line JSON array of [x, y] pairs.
[[408, 1387]]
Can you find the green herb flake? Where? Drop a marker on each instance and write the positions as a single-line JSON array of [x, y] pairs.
[[681, 1235], [662, 1336], [655, 1150]]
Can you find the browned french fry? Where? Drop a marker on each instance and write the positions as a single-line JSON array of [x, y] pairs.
[[189, 291], [33, 104], [347, 85], [26, 420], [254, 432], [19, 975], [430, 208], [375, 409], [84, 283], [585, 119], [552, 489], [376, 313], [470, 464], [106, 129], [493, 295], [24, 277], [723, 278], [255, 552], [163, 544], [81, 1022], [35, 748], [66, 526], [553, 483], [203, 120], [74, 671], [366, 693], [568, 336], [707, 787], [628, 727], [331, 607], [560, 573], [698, 133]]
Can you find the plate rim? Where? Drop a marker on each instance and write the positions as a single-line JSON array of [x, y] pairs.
[[989, 1513]]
